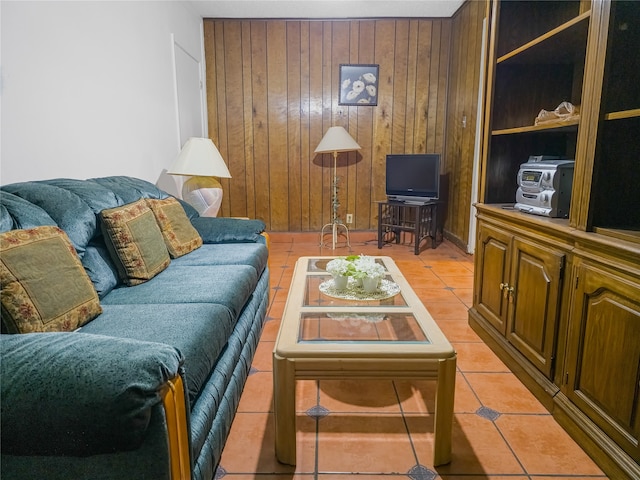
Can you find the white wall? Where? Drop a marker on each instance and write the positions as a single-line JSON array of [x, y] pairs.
[[88, 87]]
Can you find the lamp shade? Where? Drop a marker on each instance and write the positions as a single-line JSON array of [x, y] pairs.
[[199, 157], [337, 139]]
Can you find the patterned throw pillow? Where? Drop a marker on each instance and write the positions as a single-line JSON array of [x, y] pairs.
[[179, 235], [44, 286], [135, 242]]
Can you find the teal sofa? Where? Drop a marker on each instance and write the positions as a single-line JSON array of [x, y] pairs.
[[149, 388]]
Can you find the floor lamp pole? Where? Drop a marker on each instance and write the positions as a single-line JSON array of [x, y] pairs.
[[336, 223]]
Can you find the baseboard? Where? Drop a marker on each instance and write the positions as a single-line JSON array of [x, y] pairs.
[[614, 461], [458, 242]]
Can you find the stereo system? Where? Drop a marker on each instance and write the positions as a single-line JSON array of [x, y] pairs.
[[544, 186]]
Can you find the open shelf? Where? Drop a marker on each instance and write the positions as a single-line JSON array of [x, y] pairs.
[[614, 197], [563, 126], [522, 22], [540, 64], [621, 92], [560, 45], [615, 200], [623, 114]]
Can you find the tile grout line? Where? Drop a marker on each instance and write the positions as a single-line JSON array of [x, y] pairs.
[[406, 425]]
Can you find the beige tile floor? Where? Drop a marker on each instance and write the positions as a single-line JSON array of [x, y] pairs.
[[384, 429]]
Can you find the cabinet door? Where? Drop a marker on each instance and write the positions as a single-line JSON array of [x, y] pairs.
[[604, 354], [492, 274], [534, 308]]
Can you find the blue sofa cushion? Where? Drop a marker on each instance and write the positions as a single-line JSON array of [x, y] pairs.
[[85, 394], [6, 222], [188, 209], [228, 230], [130, 189], [100, 268], [198, 330], [68, 210], [230, 286], [18, 213], [254, 254], [92, 193]]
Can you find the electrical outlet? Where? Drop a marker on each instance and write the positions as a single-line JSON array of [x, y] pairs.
[[349, 217]]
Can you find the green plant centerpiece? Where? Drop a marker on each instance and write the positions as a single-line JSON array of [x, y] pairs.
[[364, 269]]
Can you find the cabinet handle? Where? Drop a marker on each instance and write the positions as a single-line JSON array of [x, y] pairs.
[[504, 287], [511, 293]]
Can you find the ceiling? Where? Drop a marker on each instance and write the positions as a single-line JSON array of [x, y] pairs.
[[325, 8]]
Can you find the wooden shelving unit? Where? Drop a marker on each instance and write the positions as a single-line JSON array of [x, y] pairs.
[[574, 343]]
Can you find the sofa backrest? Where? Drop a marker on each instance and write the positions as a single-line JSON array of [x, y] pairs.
[[74, 206]]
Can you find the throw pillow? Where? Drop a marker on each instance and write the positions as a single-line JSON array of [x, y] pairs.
[[179, 235], [135, 242], [44, 286]]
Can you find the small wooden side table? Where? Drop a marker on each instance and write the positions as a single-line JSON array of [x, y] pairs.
[[420, 219]]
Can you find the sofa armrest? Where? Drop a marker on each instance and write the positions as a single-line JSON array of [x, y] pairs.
[[229, 230], [176, 414], [80, 394]]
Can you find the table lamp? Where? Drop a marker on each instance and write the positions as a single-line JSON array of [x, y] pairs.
[[200, 159], [336, 140]]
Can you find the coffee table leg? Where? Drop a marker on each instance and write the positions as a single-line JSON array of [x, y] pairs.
[[443, 421], [284, 400]]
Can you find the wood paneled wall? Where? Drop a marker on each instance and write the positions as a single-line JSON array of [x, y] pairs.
[[272, 92], [462, 108]]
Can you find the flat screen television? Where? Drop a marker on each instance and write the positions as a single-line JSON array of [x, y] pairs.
[[413, 178]]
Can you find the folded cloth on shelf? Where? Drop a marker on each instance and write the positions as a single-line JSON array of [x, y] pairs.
[[565, 112]]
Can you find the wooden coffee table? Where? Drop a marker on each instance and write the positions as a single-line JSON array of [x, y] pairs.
[[324, 336]]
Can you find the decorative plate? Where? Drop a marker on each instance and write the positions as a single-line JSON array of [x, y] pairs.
[[387, 289]]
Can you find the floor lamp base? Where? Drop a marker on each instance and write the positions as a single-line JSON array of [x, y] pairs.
[[335, 227]]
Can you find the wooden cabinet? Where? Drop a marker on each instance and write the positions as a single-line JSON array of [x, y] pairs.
[[558, 299], [603, 353], [519, 291], [492, 260], [561, 308], [534, 292]]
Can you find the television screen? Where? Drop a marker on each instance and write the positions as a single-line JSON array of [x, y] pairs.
[[413, 178]]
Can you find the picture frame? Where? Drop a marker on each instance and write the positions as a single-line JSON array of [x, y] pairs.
[[359, 85]]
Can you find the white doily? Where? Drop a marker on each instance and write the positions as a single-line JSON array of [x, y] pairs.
[[355, 318], [386, 289]]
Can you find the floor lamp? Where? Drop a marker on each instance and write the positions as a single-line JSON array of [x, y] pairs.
[[336, 140]]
